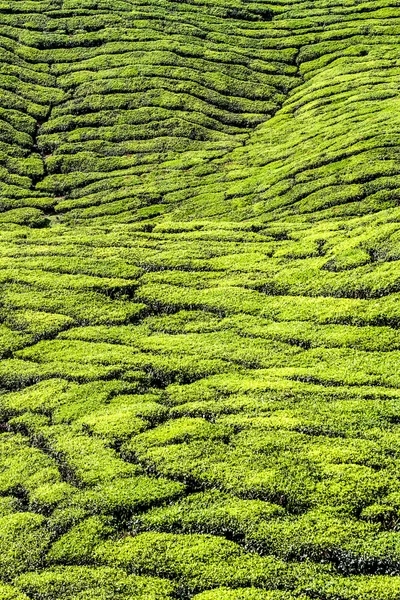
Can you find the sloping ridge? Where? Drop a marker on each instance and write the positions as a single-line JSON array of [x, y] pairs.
[[200, 300]]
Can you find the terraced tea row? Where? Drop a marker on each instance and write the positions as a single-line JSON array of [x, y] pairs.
[[127, 112], [111, 92]]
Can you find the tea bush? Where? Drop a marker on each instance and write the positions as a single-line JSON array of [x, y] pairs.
[[76, 546], [9, 592], [23, 542], [198, 561], [88, 582], [245, 594]]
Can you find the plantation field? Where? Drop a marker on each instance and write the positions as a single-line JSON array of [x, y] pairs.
[[199, 300]]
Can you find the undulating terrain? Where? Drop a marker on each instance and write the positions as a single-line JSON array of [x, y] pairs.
[[200, 300]]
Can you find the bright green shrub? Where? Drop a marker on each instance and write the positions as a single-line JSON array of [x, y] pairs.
[[365, 588], [9, 505], [76, 546], [66, 400], [122, 497], [30, 424], [24, 467], [62, 519], [246, 594], [40, 324], [351, 486], [113, 424], [8, 592], [86, 308], [32, 217], [88, 460], [196, 561], [23, 542], [69, 582], [82, 399], [11, 340], [177, 431], [145, 406], [102, 360], [210, 512], [45, 498], [16, 373]]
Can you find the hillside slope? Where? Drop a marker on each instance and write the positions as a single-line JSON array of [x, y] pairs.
[[200, 300]]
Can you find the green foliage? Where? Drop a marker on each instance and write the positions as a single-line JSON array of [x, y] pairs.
[[365, 588], [8, 592], [211, 512], [197, 561], [9, 505], [23, 542], [90, 461], [76, 546], [199, 210], [45, 498], [24, 467], [83, 307], [125, 496], [90, 583], [246, 594], [32, 217]]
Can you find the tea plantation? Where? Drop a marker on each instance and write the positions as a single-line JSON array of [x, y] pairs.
[[199, 299]]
